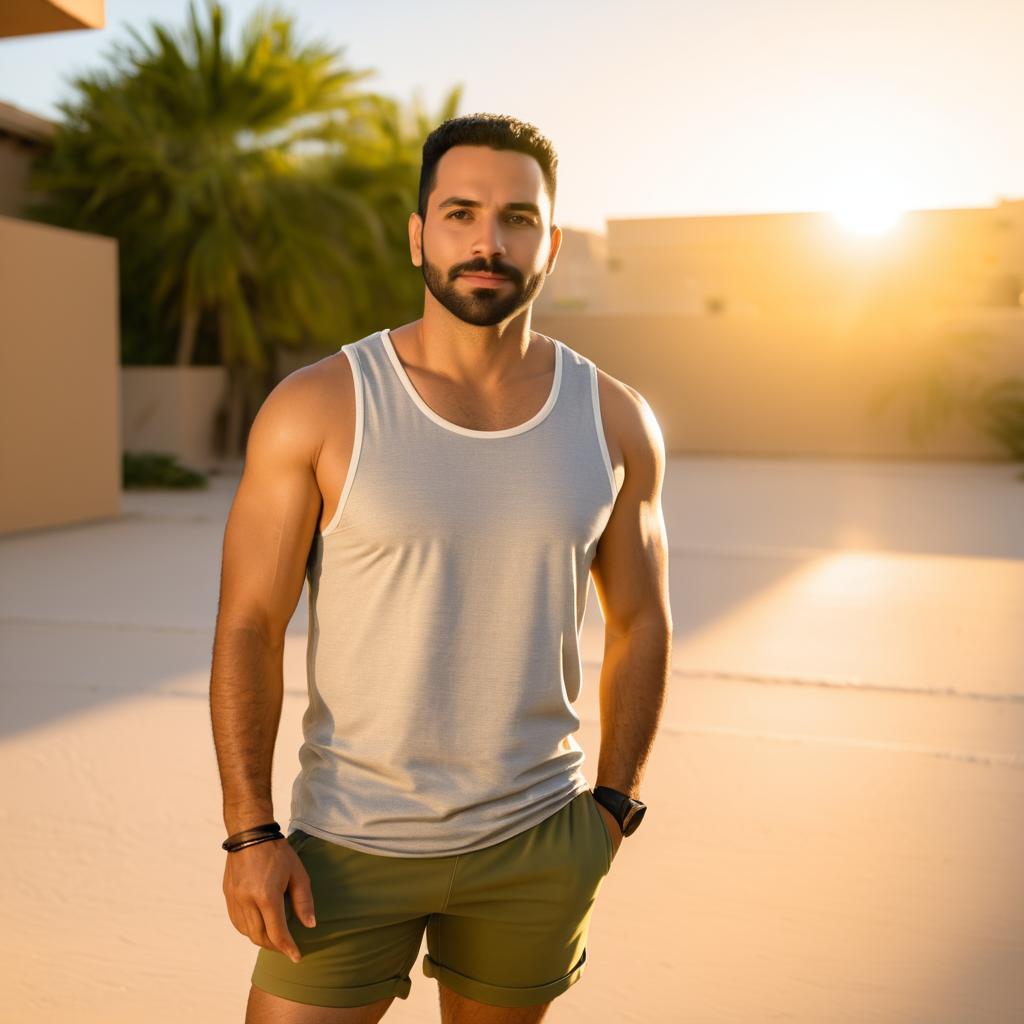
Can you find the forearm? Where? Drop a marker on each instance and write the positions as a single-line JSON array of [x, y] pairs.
[[634, 676], [246, 690]]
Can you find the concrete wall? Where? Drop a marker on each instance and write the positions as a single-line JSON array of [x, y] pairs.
[[171, 409], [754, 386], [60, 423]]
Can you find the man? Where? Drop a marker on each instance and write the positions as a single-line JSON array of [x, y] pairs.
[[446, 487]]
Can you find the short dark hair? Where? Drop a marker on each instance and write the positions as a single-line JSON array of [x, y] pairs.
[[498, 131]]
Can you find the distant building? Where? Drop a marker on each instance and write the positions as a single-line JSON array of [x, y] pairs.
[[22, 135], [797, 265], [577, 283]]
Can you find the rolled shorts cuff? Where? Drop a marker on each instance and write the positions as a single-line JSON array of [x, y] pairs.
[[502, 995], [318, 995]]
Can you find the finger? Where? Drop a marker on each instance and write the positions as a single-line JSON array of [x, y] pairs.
[[302, 899], [254, 926], [273, 920]]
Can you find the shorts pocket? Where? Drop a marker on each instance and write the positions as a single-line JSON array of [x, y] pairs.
[[595, 811], [298, 839]]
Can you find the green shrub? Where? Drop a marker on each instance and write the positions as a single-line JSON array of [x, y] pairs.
[[947, 388], [158, 469]]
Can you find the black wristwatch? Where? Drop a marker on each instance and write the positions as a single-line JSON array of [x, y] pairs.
[[627, 811]]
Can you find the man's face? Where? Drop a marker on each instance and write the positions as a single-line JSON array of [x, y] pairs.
[[475, 222]]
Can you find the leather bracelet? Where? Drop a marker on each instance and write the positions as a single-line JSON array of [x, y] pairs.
[[253, 842], [271, 828]]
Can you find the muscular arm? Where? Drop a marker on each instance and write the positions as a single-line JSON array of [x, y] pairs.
[[266, 543], [630, 571]]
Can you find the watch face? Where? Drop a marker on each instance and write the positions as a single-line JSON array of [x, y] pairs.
[[633, 818]]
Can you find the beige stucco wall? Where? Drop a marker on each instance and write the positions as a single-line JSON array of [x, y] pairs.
[[171, 409], [754, 386], [60, 440]]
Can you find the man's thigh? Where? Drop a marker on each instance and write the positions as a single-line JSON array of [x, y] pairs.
[[266, 1008]]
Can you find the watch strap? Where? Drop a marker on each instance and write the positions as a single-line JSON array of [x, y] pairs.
[[622, 807]]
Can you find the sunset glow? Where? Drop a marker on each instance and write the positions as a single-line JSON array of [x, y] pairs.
[[868, 217]]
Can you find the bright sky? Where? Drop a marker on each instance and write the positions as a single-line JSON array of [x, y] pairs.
[[676, 107]]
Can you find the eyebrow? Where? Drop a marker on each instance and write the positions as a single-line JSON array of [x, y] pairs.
[[459, 201]]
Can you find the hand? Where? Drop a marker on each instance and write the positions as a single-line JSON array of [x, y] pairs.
[[612, 825], [255, 881]]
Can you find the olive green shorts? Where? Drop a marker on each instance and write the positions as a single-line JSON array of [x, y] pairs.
[[506, 925]]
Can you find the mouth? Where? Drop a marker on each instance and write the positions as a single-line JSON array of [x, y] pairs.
[[485, 278]]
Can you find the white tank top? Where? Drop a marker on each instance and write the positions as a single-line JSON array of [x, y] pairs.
[[446, 597]]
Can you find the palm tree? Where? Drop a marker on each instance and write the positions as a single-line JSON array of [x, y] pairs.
[[197, 159], [382, 163]]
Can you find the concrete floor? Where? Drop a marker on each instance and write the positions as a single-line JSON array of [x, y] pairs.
[[836, 791]]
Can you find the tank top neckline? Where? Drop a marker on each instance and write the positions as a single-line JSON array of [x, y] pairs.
[[537, 418]]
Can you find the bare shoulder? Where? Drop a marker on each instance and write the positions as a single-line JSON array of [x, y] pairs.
[[300, 408], [633, 429]]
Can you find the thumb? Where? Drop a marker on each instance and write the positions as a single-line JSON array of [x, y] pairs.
[[302, 900]]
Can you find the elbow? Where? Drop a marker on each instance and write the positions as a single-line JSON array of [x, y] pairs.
[[651, 625]]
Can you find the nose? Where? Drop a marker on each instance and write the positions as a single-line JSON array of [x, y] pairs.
[[488, 242]]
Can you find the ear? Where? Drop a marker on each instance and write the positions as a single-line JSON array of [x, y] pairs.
[[556, 244], [416, 239]]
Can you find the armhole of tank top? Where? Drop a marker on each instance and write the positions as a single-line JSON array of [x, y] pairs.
[[357, 441], [599, 427]]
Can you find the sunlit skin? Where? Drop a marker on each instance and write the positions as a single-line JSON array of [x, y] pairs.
[[477, 332]]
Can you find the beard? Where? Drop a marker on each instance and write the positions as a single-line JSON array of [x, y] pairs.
[[482, 306]]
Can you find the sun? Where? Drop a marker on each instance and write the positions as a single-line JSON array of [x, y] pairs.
[[868, 216]]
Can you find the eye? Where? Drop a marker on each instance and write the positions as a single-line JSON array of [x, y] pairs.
[[519, 216]]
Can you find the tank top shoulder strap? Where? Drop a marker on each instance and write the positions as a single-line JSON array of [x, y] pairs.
[[381, 396], [574, 382], [580, 407], [369, 359]]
